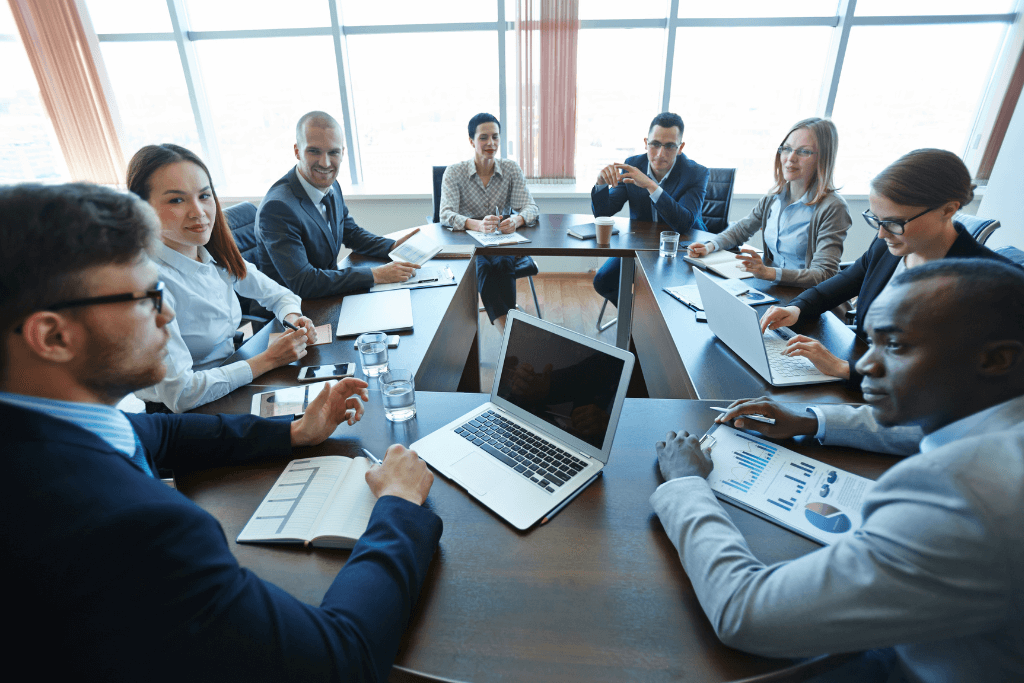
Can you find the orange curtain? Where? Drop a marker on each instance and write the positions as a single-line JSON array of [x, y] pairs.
[[546, 50], [64, 55]]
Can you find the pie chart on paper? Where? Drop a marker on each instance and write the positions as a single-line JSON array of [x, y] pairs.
[[827, 518]]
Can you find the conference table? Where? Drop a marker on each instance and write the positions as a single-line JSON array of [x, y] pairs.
[[598, 593]]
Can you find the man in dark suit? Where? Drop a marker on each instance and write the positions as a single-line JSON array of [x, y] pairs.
[[303, 222], [662, 186], [113, 575]]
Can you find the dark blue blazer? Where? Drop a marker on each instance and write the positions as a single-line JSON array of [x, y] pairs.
[[869, 275], [679, 205], [112, 575], [298, 248]]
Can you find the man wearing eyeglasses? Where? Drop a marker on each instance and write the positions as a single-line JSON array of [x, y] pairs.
[[662, 186], [113, 575]]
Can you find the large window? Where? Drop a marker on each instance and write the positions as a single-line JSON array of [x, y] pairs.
[[229, 78]]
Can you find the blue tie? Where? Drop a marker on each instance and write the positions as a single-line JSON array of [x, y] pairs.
[[139, 457]]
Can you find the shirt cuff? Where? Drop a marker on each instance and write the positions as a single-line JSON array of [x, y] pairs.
[[820, 434], [656, 195], [778, 275]]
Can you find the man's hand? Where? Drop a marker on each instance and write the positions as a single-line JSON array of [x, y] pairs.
[[402, 239], [396, 271], [751, 262], [634, 176], [609, 176], [679, 455], [403, 474], [332, 406], [823, 359], [788, 422], [304, 323]]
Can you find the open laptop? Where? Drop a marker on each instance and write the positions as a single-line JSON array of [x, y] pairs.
[[548, 427], [738, 325]]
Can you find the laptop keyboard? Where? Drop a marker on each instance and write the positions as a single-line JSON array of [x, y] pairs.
[[540, 461], [786, 366]]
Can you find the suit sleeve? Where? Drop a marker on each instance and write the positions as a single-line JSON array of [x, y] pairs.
[[363, 241], [606, 200], [920, 568], [281, 233], [682, 211], [834, 222], [856, 427]]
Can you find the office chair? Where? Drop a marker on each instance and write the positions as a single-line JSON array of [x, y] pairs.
[[714, 213], [241, 220], [1012, 253], [525, 266], [980, 228]]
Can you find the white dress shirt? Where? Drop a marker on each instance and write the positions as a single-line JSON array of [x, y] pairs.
[[207, 313]]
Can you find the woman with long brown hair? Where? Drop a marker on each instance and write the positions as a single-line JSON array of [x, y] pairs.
[[802, 220], [202, 270]]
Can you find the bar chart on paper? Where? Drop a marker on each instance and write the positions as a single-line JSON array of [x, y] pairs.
[[784, 486]]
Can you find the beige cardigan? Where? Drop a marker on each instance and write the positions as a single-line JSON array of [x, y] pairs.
[[825, 237]]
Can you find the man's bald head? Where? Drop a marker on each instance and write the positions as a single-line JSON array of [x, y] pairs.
[[315, 119]]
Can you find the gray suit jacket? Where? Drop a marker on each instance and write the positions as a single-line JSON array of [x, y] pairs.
[[935, 570], [298, 248]]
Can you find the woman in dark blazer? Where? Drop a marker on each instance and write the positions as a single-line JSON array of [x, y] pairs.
[[912, 203]]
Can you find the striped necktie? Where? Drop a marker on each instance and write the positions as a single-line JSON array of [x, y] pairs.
[[139, 457]]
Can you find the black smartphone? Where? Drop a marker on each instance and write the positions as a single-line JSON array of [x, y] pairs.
[[313, 373]]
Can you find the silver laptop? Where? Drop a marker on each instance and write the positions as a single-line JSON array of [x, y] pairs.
[[738, 325], [548, 427]]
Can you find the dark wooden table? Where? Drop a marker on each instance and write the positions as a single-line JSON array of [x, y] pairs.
[[598, 594], [682, 358], [440, 349]]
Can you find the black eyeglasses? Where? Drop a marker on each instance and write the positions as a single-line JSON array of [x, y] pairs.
[[670, 146], [156, 294], [893, 227]]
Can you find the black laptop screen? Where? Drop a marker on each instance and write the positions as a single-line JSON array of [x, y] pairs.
[[567, 384]]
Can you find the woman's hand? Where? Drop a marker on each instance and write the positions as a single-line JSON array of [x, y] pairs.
[[510, 224], [303, 323], [698, 249], [822, 358], [776, 317], [289, 347], [751, 262], [486, 224]]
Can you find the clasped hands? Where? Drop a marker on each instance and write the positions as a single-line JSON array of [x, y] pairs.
[[612, 174]]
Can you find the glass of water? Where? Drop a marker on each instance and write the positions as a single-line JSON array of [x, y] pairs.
[[399, 393], [669, 244], [373, 352]]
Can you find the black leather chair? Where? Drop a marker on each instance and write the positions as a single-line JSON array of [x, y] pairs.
[[242, 222], [718, 198], [714, 212], [525, 266], [1012, 253]]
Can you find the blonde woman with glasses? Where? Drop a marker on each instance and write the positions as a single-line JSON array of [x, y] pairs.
[[802, 220]]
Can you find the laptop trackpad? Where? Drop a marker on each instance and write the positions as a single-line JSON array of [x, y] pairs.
[[477, 472]]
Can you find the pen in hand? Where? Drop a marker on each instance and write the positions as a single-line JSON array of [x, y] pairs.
[[749, 416], [373, 458], [290, 326]]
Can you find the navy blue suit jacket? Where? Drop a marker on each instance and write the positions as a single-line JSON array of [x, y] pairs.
[[298, 248], [113, 576], [681, 199]]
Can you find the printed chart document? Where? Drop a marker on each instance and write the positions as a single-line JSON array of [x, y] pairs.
[[416, 249], [375, 312], [804, 495], [689, 295], [493, 239], [722, 263], [322, 501], [428, 276]]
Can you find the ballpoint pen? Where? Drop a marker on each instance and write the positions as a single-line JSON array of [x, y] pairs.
[[289, 325], [373, 458], [749, 416]]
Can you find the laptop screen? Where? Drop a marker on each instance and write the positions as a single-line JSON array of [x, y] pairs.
[[564, 383]]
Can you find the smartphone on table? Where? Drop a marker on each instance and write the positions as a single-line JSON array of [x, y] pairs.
[[313, 373]]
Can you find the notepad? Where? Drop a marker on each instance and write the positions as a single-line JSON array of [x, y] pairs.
[[722, 263], [430, 276], [493, 239], [322, 501], [375, 312], [415, 250]]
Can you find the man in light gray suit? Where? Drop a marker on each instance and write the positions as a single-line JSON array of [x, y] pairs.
[[931, 582], [303, 222]]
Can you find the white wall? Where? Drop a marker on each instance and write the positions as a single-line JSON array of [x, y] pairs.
[[1002, 198]]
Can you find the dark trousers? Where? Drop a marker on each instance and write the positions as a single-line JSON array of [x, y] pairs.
[[606, 281], [495, 278]]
